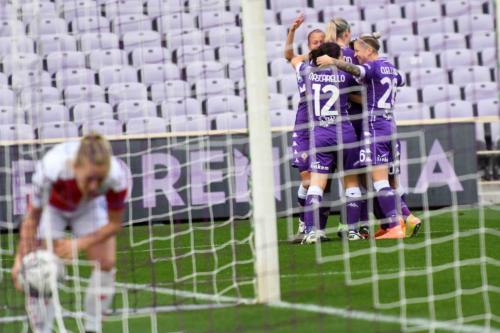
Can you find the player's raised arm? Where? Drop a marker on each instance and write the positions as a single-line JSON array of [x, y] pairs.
[[289, 54]]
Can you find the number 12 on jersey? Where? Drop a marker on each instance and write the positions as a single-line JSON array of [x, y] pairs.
[[320, 95]]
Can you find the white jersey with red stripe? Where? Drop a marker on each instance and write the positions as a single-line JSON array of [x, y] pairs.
[[54, 181]]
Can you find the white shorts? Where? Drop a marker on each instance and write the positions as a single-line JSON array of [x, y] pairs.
[[88, 217]]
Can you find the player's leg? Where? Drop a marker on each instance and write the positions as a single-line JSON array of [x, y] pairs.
[[313, 204], [305, 178], [412, 222], [352, 206]]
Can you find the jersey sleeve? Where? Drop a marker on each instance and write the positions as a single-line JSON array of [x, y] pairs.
[[367, 71], [41, 186], [118, 187], [401, 79]]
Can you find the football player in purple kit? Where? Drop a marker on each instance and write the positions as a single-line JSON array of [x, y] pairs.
[[380, 79], [327, 92]]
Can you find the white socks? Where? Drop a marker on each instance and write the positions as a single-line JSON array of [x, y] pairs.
[[40, 313], [98, 298], [381, 184]]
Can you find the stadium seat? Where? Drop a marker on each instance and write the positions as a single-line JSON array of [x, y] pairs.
[[275, 32], [21, 61], [74, 76], [277, 102], [229, 52], [408, 61], [272, 85], [364, 3], [83, 93], [275, 49], [145, 125], [116, 74], [55, 43], [420, 9], [431, 75], [62, 60], [207, 5], [278, 5], [157, 8], [57, 129], [463, 75], [119, 92], [9, 115], [87, 24], [135, 39], [26, 78], [42, 9], [40, 95], [360, 27], [349, 13], [279, 67], [457, 57], [98, 59], [435, 93], [103, 126], [4, 81], [122, 7], [323, 3], [189, 123], [488, 57], [150, 55], [453, 109], [394, 27], [407, 95], [45, 113], [98, 41], [76, 9], [488, 107], [432, 25], [282, 118], [398, 44], [180, 107], [92, 111], [215, 18], [47, 26], [224, 103], [221, 36], [269, 17], [190, 53], [169, 90], [439, 41], [204, 70], [16, 132], [482, 39], [136, 109], [236, 70], [154, 73], [287, 85], [180, 37], [376, 12], [481, 90], [411, 111], [471, 23], [126, 23], [230, 121], [288, 15], [174, 21], [463, 7], [11, 28], [211, 87], [20, 44]]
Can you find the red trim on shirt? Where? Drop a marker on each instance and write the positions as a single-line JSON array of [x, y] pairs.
[[116, 200], [65, 195]]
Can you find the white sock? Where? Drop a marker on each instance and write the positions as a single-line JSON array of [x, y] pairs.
[[302, 192], [40, 313], [315, 190], [381, 184], [98, 298]]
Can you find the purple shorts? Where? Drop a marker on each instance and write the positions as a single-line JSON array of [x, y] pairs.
[[300, 148], [378, 146], [325, 157]]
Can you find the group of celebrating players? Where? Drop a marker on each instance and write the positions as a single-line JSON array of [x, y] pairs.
[[337, 128]]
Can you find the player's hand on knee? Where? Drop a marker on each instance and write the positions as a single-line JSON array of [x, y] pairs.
[[66, 248]]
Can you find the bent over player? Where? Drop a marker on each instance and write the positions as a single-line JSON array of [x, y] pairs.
[[81, 185]]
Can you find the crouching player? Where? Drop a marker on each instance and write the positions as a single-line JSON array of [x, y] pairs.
[[81, 185]]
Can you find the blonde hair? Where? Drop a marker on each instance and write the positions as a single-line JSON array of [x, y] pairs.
[[335, 28], [371, 40], [95, 149]]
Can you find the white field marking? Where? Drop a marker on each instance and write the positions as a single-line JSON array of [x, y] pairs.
[[424, 323]]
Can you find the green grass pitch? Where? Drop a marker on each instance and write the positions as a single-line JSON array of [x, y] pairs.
[[303, 279]]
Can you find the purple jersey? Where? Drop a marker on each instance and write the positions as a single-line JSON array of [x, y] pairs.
[[354, 109], [349, 57], [300, 137]]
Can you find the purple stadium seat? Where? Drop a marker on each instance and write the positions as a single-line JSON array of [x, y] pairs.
[[230, 121], [150, 55], [224, 103], [98, 41], [463, 7], [212, 19], [169, 90], [278, 5], [447, 41], [55, 43], [456, 58], [221, 36], [57, 129], [431, 75], [20, 44], [463, 75], [103, 58], [272, 84], [411, 111], [280, 67], [21, 61], [382, 12], [91, 112], [45, 113], [43, 9], [4, 81], [349, 13], [212, 87], [145, 125], [406, 95], [364, 3], [481, 90], [360, 27], [229, 52], [288, 15], [275, 32], [103, 126], [207, 5], [119, 92], [157, 8], [123, 7], [395, 27], [11, 28], [173, 21], [435, 93], [189, 53], [204, 70], [155, 73], [76, 9], [189, 123], [47, 26], [27, 78], [488, 57], [180, 37], [86, 24], [9, 115], [16, 132], [40, 95], [117, 74], [236, 70], [62, 60], [135, 39], [488, 107], [83, 93], [180, 107], [408, 61], [420, 9], [471, 23], [324, 3], [269, 17], [398, 44], [136, 109], [282, 118], [482, 39], [437, 24], [287, 85], [126, 23], [74, 76], [453, 109], [277, 102]]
